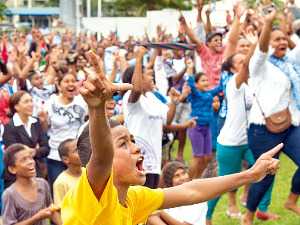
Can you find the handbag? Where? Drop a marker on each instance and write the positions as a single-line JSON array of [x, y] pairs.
[[277, 122]]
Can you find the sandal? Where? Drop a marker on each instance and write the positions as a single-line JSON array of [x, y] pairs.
[[231, 215]]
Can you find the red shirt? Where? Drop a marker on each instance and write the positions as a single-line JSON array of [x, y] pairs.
[[211, 63]]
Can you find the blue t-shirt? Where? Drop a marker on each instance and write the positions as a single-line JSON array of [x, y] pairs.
[[201, 102]]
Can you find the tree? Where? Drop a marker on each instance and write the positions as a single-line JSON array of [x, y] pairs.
[[139, 7], [53, 3], [2, 10]]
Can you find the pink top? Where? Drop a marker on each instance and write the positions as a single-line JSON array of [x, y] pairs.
[[211, 64]]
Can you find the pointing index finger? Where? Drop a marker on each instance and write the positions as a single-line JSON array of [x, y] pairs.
[[275, 150]]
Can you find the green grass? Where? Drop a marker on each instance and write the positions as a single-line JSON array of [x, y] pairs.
[[279, 195]]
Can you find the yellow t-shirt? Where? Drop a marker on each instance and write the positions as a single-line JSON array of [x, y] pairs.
[[81, 207], [63, 183]]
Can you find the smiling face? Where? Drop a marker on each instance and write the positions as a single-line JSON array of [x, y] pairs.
[[243, 46], [24, 165], [279, 43], [216, 43], [128, 160], [67, 86], [25, 105], [180, 177], [202, 83]]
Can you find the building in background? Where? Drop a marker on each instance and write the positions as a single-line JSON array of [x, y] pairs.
[[32, 12]]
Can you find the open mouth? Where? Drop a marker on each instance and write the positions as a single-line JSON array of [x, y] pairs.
[[71, 90], [139, 164]]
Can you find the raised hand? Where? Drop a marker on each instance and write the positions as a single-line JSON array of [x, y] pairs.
[[97, 88], [270, 17], [191, 123], [182, 20], [266, 164], [252, 37], [174, 94]]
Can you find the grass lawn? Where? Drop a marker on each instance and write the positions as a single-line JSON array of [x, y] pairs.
[[279, 195]]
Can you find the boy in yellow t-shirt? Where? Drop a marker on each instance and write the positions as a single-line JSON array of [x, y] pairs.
[[104, 194], [67, 179]]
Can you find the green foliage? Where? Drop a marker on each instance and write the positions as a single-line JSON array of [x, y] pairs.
[[253, 3], [53, 3], [139, 7], [2, 9]]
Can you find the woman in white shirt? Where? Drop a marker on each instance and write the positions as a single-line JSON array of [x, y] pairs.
[[275, 80], [232, 145], [66, 113]]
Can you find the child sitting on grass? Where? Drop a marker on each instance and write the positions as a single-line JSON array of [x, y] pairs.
[[105, 193], [67, 179], [27, 201]]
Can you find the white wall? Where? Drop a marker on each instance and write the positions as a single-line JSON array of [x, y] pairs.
[[136, 26]]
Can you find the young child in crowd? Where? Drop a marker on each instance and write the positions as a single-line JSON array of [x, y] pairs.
[[202, 99], [173, 174], [67, 179], [39, 92], [27, 200], [105, 193]]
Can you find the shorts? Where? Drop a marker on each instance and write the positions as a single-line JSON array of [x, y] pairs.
[[201, 140]]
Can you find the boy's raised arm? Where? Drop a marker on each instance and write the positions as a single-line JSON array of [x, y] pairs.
[[201, 190], [95, 91]]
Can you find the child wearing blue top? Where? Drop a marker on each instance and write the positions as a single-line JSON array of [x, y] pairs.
[[196, 91]]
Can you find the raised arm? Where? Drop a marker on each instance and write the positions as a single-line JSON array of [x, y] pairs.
[[234, 33], [199, 9], [95, 91], [192, 36], [208, 26], [243, 74], [201, 190], [265, 35], [137, 79]]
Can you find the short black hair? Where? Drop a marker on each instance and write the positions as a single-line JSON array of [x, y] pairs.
[[198, 76], [10, 160], [63, 149], [84, 144], [128, 74]]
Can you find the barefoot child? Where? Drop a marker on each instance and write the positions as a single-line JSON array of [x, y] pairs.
[[109, 191]]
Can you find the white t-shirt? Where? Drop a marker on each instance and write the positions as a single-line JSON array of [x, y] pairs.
[[161, 79], [234, 131], [144, 120], [192, 214], [64, 121], [272, 87]]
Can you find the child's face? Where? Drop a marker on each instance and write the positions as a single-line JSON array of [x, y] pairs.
[[73, 156], [24, 164], [180, 177], [216, 44], [37, 81], [128, 161], [203, 84]]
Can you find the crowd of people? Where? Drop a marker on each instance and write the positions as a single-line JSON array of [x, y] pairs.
[[87, 126]]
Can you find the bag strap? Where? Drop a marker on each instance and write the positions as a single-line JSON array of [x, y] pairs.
[[259, 106]]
